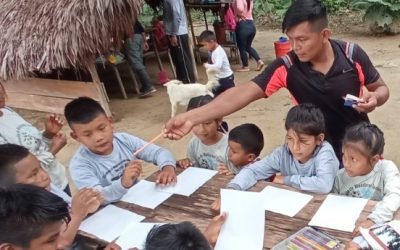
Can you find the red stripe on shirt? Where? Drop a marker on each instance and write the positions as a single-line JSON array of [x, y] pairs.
[[277, 81]]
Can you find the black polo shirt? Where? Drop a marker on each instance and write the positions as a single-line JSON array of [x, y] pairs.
[[346, 76]]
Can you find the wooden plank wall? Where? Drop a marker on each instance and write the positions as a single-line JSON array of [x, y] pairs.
[[49, 95]]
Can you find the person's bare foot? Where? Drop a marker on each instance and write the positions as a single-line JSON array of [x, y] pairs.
[[260, 65], [243, 69]]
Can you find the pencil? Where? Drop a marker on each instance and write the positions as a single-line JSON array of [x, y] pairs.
[[148, 144]]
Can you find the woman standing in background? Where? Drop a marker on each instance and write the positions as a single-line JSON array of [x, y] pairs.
[[245, 33]]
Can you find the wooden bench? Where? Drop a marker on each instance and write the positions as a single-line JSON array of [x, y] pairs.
[[51, 96]]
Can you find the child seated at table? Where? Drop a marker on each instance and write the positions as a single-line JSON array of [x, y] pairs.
[[184, 236], [245, 144], [367, 175], [105, 160], [217, 60], [306, 161], [19, 166], [33, 218], [209, 146]]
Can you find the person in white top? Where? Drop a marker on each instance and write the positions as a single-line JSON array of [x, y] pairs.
[[217, 60]]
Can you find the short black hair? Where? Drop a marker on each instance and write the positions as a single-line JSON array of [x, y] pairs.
[[182, 236], [25, 210], [207, 36], [369, 135], [305, 118], [10, 154], [82, 110], [313, 11], [199, 101], [249, 136]]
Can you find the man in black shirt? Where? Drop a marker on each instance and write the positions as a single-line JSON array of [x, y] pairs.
[[318, 70]]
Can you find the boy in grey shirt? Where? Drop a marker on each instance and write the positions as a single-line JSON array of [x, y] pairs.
[[105, 160]]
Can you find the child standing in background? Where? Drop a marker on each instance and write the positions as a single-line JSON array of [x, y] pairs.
[[367, 175], [209, 146], [245, 144], [217, 60]]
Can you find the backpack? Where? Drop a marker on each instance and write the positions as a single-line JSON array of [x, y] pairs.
[[229, 18]]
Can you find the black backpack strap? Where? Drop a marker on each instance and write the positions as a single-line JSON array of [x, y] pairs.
[[350, 51], [288, 61]]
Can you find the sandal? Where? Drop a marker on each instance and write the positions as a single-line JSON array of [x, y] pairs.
[[260, 66], [244, 69]]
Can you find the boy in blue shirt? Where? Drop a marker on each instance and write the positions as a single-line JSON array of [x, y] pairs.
[[105, 160]]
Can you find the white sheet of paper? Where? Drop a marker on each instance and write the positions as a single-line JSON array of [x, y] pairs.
[[244, 226], [189, 181], [339, 212], [284, 201], [145, 194], [109, 222], [135, 235]]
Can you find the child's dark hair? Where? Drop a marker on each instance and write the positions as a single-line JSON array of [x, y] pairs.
[[25, 210], [10, 154], [207, 36], [305, 118], [82, 110], [198, 101], [249, 136], [313, 11], [369, 135], [182, 236]]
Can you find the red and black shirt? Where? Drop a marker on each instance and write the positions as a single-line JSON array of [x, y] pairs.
[[346, 76]]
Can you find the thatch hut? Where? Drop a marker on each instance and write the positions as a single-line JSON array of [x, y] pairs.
[[42, 35]]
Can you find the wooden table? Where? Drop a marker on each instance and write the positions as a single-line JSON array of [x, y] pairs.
[[196, 209]]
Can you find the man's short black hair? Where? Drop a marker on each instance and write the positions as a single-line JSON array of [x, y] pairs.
[[313, 11], [249, 136], [305, 118], [182, 236], [82, 111], [207, 36], [10, 154], [25, 210]]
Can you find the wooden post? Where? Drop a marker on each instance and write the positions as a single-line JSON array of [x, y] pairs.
[[103, 95], [192, 43]]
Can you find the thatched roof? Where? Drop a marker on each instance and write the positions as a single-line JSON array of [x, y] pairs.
[[41, 35]]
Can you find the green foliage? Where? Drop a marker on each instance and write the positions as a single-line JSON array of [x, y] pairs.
[[383, 16], [275, 9]]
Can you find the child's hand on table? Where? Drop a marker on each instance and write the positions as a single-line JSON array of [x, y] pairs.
[[216, 205], [213, 229], [166, 176], [131, 173], [224, 170], [279, 179], [85, 201], [52, 125], [184, 163], [364, 224]]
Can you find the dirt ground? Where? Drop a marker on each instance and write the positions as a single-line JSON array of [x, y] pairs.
[[145, 117]]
